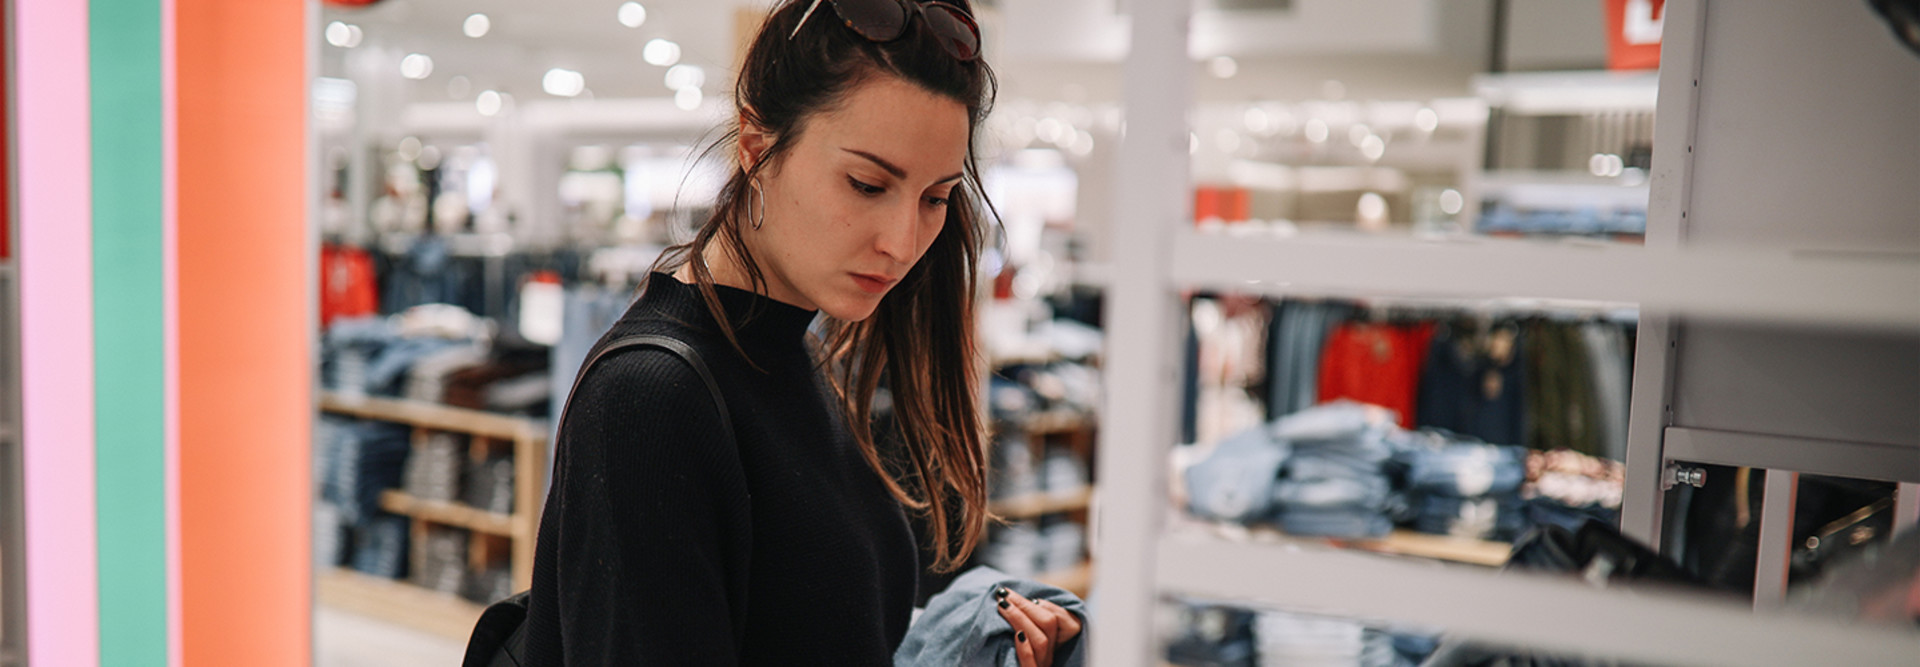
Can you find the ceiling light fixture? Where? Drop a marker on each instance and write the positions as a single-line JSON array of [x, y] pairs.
[[416, 66], [563, 82], [632, 15], [661, 53], [477, 26], [343, 35], [488, 103]]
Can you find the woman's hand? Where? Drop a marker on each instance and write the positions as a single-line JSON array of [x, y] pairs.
[[1038, 627]]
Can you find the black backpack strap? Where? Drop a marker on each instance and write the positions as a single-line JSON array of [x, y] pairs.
[[499, 638], [670, 344]]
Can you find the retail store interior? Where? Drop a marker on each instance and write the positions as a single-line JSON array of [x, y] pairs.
[[1420, 318]]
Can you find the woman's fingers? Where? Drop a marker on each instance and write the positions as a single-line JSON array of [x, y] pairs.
[[1030, 643], [1037, 623], [1068, 626]]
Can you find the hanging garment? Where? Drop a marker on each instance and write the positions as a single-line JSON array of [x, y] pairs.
[[1474, 383], [1299, 331], [347, 286], [1563, 410], [1612, 376], [1377, 364]]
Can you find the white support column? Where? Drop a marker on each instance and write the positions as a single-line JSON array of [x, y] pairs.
[[1776, 539], [1151, 197], [1683, 40]]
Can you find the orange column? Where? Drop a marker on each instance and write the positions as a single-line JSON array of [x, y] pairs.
[[244, 321]]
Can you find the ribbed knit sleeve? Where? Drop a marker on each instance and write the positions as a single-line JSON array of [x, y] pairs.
[[650, 520]]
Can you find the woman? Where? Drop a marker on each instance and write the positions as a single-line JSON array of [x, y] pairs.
[[855, 194]]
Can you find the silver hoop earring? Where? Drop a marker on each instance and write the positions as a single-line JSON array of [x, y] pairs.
[[762, 196]]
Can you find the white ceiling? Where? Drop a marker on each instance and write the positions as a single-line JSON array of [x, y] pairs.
[[1042, 49]]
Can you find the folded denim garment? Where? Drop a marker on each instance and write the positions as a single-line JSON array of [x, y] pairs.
[[1235, 482], [1367, 492], [1466, 470], [962, 626], [1489, 517], [1336, 420]]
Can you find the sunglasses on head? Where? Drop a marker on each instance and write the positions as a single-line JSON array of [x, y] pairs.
[[886, 20]]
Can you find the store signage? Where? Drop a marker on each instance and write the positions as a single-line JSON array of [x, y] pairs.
[[1633, 33], [349, 3]]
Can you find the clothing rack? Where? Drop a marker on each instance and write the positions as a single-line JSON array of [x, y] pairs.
[[1720, 248]]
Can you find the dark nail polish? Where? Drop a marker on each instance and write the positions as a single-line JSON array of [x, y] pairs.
[[1019, 636], [1004, 605]]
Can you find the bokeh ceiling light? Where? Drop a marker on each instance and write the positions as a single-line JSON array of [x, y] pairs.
[[633, 15], [687, 99], [488, 103], [343, 35], [416, 66], [685, 76], [660, 52], [477, 26], [563, 82], [1426, 119]]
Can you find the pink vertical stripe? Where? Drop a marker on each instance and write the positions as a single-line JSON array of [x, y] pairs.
[[170, 281], [56, 304]]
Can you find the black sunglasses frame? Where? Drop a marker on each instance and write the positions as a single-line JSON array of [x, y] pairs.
[[964, 47]]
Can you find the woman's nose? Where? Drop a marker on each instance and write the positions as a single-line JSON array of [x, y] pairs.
[[899, 235]]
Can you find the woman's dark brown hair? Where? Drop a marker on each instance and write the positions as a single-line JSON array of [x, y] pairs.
[[920, 338]]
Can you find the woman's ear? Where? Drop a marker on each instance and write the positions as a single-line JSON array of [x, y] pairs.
[[754, 143]]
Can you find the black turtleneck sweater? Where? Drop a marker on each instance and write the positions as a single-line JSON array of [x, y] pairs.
[[662, 543]]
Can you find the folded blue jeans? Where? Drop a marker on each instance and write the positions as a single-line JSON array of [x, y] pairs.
[[1466, 470], [1235, 482]]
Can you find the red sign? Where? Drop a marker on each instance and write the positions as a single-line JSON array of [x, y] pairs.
[[1633, 33]]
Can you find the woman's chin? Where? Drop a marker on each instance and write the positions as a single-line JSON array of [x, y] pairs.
[[851, 308]]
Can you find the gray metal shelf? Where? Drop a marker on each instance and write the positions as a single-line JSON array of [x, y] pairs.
[[1734, 240]]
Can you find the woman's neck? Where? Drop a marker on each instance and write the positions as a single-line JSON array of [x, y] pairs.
[[726, 269]]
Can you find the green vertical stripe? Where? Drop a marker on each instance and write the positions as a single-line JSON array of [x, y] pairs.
[[129, 335]]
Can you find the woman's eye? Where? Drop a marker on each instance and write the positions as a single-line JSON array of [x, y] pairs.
[[937, 201], [865, 189]]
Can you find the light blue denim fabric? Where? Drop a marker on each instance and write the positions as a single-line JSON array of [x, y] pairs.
[[1466, 470], [1368, 492], [1337, 421], [962, 626], [1235, 482]]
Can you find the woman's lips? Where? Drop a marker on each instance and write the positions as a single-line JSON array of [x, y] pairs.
[[873, 284]]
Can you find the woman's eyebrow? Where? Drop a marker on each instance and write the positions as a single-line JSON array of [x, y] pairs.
[[891, 169]]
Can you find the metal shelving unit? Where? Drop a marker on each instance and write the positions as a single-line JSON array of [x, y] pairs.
[[1730, 261]]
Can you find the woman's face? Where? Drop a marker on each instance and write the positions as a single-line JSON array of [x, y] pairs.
[[859, 198]]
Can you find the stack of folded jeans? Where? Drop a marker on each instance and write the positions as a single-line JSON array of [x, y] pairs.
[[1235, 482], [1317, 472], [1464, 489], [443, 562], [1333, 484], [489, 485], [1212, 636], [363, 459], [380, 546], [1294, 640], [1017, 549], [433, 471], [490, 585]]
